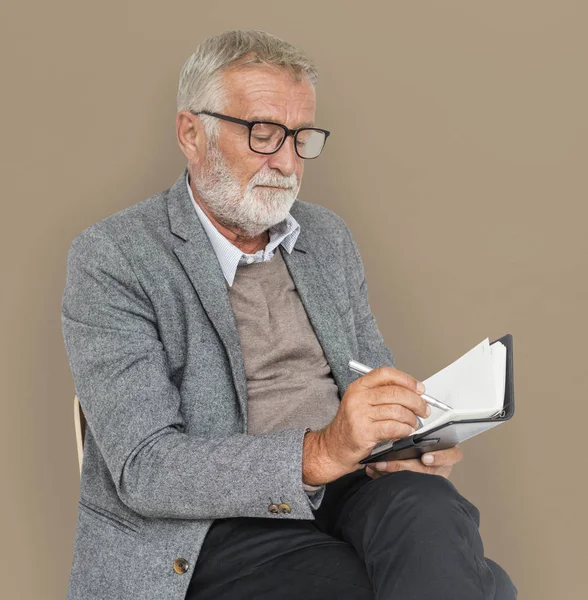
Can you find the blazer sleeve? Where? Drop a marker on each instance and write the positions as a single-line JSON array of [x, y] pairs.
[[132, 407]]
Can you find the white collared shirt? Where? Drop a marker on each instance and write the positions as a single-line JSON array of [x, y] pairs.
[[230, 257]]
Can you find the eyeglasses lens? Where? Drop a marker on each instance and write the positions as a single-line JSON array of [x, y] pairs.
[[267, 138], [310, 142]]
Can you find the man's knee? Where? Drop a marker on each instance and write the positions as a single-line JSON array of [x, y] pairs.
[[411, 483], [505, 588], [422, 494]]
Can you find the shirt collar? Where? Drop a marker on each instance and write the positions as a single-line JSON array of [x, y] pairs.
[[285, 233]]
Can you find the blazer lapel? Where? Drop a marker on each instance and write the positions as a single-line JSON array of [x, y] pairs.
[[309, 278], [199, 260]]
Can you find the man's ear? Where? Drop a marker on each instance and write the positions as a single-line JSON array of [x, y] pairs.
[[191, 136]]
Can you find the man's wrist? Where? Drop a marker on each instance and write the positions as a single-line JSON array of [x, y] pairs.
[[317, 468]]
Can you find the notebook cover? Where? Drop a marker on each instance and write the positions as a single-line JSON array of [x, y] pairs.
[[451, 433]]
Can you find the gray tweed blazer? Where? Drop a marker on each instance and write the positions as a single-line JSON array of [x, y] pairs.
[[156, 360]]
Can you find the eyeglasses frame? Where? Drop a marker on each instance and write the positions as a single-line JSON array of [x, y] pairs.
[[251, 124]]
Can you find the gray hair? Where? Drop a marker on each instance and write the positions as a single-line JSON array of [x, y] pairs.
[[200, 86]]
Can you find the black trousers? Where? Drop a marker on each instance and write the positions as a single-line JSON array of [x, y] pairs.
[[404, 536]]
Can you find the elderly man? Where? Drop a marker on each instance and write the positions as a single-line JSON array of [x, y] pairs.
[[208, 330]]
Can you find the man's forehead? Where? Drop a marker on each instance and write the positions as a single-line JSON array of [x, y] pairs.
[[264, 94]]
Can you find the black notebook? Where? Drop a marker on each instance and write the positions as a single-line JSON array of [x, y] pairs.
[[479, 388]]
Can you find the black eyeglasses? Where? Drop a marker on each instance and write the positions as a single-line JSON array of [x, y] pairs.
[[266, 137]]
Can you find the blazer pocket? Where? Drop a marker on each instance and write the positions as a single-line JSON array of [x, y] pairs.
[[109, 518]]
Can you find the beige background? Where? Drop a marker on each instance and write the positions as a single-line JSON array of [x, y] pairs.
[[458, 158]]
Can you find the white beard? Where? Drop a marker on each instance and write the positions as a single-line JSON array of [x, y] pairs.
[[253, 211]]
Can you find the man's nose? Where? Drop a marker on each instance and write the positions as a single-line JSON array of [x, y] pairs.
[[285, 159]]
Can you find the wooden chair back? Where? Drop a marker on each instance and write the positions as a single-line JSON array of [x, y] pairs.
[[80, 426]]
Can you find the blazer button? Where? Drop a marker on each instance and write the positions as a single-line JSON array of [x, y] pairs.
[[273, 508], [284, 508], [180, 566]]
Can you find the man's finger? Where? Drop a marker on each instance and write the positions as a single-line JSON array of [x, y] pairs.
[[395, 412], [415, 465], [441, 458], [391, 376], [391, 395], [407, 464]]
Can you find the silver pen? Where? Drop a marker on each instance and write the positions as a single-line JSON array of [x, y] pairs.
[[364, 369]]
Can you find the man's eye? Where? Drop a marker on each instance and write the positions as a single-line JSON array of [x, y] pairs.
[[261, 139]]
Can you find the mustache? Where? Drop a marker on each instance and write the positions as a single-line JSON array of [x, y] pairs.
[[278, 182], [281, 187]]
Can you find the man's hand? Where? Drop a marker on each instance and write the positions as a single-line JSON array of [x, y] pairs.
[[435, 463], [381, 405]]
